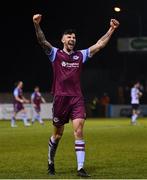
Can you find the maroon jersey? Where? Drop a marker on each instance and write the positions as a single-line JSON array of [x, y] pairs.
[[67, 69], [18, 106], [17, 93], [37, 100]]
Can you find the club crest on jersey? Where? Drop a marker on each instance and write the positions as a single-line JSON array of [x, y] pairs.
[[55, 119], [70, 65], [63, 64], [75, 57]]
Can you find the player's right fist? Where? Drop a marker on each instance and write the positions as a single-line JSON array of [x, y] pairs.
[[37, 18]]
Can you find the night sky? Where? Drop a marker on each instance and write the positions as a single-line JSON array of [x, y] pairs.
[[23, 59]]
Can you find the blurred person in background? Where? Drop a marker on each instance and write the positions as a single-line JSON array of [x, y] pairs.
[[18, 103], [104, 102], [36, 100], [136, 94], [120, 95], [94, 106]]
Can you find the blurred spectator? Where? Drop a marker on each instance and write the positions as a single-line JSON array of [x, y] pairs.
[[104, 102], [136, 94], [94, 106], [121, 95]]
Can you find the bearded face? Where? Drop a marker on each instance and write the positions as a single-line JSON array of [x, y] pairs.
[[69, 41]]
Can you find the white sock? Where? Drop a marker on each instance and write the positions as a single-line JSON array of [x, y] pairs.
[[52, 147], [134, 117], [33, 119], [39, 119], [34, 116], [12, 121], [25, 119], [80, 153]]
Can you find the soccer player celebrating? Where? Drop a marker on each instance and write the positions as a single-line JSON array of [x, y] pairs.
[[136, 94], [18, 105], [68, 99], [36, 100]]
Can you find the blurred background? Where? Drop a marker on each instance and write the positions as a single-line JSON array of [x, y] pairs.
[[112, 71]]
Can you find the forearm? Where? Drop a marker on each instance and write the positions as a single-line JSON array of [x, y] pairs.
[[41, 37], [107, 36], [101, 43], [43, 100], [19, 99], [25, 100]]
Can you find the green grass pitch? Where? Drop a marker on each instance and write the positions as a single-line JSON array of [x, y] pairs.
[[114, 150]]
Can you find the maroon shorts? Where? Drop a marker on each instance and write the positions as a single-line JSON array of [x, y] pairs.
[[67, 107], [18, 107], [37, 109]]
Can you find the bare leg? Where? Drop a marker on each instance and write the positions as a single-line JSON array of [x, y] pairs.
[[25, 117], [13, 120], [134, 117]]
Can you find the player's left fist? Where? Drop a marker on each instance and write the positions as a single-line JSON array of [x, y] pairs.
[[114, 23]]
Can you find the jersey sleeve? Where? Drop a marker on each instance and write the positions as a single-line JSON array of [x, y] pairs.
[[32, 96], [86, 54], [15, 93], [134, 93], [52, 54]]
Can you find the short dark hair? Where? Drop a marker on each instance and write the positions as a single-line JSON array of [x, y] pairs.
[[136, 82], [17, 82], [69, 31], [36, 87]]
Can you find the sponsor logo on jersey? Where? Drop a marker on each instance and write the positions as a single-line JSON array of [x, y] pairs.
[[70, 65]]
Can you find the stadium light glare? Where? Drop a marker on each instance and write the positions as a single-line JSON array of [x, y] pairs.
[[117, 9]]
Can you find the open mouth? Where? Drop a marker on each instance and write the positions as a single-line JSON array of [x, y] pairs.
[[71, 43]]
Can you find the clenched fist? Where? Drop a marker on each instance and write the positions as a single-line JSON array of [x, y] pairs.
[[37, 18], [114, 23]]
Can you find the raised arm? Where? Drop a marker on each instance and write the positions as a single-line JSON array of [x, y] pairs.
[[101, 43], [39, 33]]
